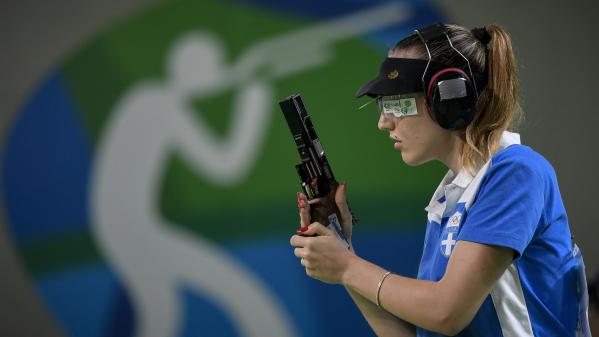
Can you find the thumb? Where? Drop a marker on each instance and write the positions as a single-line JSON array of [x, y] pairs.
[[341, 201], [317, 229]]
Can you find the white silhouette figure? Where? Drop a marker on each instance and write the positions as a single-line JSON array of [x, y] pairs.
[[152, 257], [152, 121]]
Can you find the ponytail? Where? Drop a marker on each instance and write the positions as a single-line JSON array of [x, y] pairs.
[[498, 108]]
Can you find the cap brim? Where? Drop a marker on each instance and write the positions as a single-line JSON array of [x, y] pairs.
[[385, 87], [396, 76], [368, 88]]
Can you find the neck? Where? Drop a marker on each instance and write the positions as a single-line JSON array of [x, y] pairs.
[[453, 152]]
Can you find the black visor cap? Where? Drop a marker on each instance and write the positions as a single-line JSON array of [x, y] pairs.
[[398, 76]]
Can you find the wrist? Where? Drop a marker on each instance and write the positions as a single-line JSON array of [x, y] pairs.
[[350, 270]]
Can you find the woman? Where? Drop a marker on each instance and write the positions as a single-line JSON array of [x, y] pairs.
[[498, 259]]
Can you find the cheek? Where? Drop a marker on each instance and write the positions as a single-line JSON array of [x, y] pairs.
[[415, 154], [415, 145], [421, 141]]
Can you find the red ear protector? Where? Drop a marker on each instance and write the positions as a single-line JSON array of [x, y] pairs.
[[450, 93]]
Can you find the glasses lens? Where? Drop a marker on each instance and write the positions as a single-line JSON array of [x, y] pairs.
[[379, 104], [397, 105]]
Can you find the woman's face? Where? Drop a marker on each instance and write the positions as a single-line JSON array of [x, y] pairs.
[[418, 137]]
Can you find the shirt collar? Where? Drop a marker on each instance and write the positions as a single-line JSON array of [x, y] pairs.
[[463, 178], [508, 138], [449, 181]]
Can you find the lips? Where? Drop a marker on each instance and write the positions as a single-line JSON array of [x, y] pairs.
[[397, 144]]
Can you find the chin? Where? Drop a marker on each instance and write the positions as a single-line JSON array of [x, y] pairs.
[[413, 160]]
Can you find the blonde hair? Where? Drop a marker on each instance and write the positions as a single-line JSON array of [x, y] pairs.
[[497, 109]]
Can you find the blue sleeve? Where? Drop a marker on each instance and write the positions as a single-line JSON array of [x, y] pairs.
[[508, 206]]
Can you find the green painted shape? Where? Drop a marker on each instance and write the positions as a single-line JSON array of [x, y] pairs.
[[381, 185], [136, 49], [213, 111], [55, 252], [382, 188], [95, 84]]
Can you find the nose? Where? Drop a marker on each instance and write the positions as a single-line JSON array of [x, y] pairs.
[[385, 123]]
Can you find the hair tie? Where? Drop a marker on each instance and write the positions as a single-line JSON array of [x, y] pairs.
[[482, 35]]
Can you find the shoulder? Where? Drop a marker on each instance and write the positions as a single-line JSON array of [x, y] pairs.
[[510, 201], [518, 168], [520, 158]]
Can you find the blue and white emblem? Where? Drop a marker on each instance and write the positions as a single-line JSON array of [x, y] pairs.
[[450, 234]]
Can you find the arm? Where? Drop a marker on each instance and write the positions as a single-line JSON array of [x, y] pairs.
[[502, 221], [381, 322], [446, 306]]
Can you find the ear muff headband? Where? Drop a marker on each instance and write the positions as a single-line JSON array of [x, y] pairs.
[[451, 113]]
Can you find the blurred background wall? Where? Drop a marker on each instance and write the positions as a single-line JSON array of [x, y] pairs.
[[69, 265]]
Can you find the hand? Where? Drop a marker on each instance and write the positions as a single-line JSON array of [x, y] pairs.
[[324, 256], [340, 200], [321, 252]]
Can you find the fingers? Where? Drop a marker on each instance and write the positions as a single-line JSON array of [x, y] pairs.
[[298, 241], [303, 204], [308, 233], [304, 209], [341, 201], [340, 197], [308, 265], [303, 197], [300, 252], [314, 201], [317, 229]]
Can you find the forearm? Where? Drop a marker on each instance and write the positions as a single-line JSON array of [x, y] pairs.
[[414, 301], [381, 322]]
